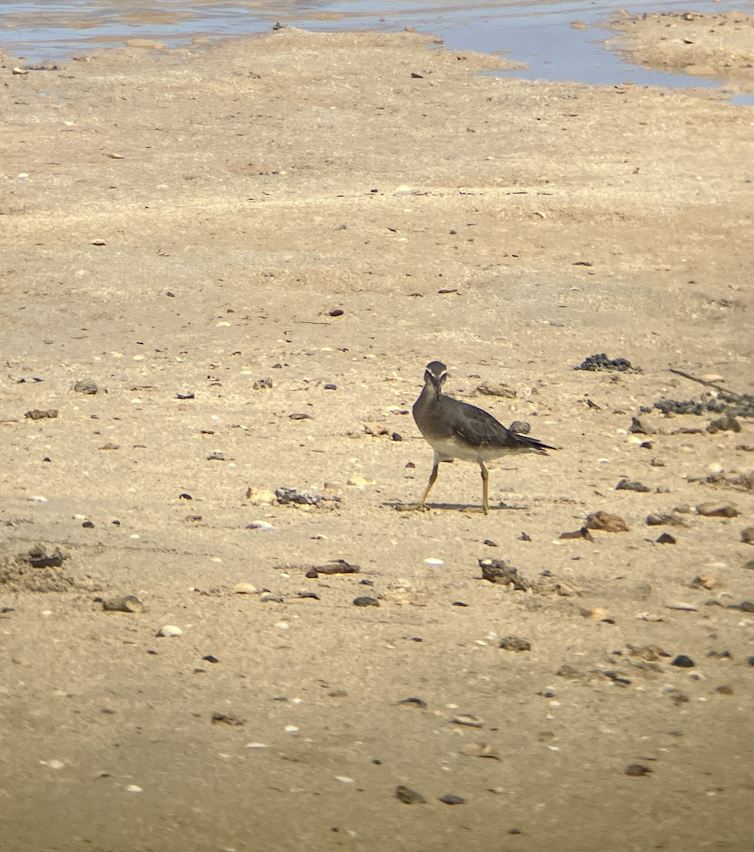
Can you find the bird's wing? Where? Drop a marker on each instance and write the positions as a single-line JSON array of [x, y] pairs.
[[477, 427]]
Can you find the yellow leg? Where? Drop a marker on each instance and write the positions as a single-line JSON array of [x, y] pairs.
[[485, 489], [432, 479]]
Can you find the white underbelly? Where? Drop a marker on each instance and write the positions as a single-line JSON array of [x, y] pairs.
[[450, 450]]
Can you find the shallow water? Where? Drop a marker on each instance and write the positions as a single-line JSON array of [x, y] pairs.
[[538, 33]]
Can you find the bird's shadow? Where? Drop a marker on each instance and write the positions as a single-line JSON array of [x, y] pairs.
[[452, 507]]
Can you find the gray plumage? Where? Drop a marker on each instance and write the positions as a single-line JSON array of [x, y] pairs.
[[457, 430]]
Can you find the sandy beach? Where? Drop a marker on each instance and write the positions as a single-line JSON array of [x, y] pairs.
[[224, 270]]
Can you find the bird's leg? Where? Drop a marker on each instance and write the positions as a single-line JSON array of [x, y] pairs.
[[485, 489], [432, 479]]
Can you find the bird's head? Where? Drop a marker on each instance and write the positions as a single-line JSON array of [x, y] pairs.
[[435, 375]]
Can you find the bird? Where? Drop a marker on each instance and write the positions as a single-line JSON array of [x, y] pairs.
[[458, 430]]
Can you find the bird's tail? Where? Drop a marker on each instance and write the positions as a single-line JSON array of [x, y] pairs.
[[533, 444]]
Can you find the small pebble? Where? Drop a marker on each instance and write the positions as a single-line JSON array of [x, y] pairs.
[[682, 661], [450, 799], [125, 603], [260, 525], [170, 630], [365, 601], [627, 485], [637, 770], [245, 589], [666, 538], [409, 796], [514, 643], [469, 720]]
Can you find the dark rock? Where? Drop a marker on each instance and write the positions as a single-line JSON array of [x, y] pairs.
[[211, 658], [724, 424], [515, 643], [227, 719], [338, 566], [638, 427], [450, 799], [305, 593], [414, 702], [287, 496], [606, 522], [636, 770], [86, 386], [747, 535], [396, 436], [331, 386], [39, 414], [187, 395], [602, 362], [263, 384], [581, 533], [683, 662], [366, 601], [520, 427], [501, 572], [717, 510], [40, 557], [666, 538], [300, 415], [409, 796], [628, 485]]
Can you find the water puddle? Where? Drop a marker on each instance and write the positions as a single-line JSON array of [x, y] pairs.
[[539, 33]]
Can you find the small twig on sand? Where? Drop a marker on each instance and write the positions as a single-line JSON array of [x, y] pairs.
[[720, 388]]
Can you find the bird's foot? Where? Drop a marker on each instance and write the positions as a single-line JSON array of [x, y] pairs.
[[411, 507]]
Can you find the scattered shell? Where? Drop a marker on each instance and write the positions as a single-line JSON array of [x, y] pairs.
[[433, 561], [357, 481], [36, 499], [124, 603], [704, 581], [259, 495], [245, 589], [170, 630], [255, 745], [260, 525], [344, 779], [595, 613], [684, 607], [282, 625], [469, 720], [480, 750], [291, 729], [134, 788]]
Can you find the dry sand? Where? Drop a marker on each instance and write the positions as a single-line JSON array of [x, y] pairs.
[[192, 222]]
